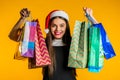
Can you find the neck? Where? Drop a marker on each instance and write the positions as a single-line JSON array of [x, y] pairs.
[[58, 42]]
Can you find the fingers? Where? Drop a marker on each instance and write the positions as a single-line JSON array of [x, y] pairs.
[[89, 15], [24, 12], [88, 11], [84, 9]]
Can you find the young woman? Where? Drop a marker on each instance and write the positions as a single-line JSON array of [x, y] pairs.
[[58, 41]]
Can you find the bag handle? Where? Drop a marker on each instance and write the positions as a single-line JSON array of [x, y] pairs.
[[30, 18]]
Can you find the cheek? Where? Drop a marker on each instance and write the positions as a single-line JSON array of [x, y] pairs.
[[64, 29], [52, 31]]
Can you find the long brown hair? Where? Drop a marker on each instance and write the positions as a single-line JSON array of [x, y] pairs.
[[49, 37]]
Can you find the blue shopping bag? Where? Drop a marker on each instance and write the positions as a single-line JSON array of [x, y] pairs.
[[107, 46]]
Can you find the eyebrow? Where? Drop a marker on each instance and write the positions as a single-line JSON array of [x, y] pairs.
[[55, 24]]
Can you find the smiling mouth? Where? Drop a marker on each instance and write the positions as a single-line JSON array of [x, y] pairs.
[[58, 33]]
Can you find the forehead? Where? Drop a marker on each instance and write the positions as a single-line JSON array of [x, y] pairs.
[[58, 20]]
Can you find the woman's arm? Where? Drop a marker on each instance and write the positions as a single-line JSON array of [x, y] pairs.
[[24, 13], [89, 15]]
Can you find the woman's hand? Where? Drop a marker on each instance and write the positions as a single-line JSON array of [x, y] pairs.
[[24, 13], [89, 15], [88, 11]]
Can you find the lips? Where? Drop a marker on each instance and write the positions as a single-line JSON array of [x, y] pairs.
[[57, 33]]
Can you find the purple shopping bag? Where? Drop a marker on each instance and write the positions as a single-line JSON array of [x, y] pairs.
[[28, 44]]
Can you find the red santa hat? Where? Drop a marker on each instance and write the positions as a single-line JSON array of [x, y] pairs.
[[55, 13]]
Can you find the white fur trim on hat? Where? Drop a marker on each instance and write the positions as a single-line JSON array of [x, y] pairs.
[[59, 13], [46, 30]]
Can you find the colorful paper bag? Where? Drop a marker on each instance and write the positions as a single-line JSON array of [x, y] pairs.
[[41, 57], [96, 56], [107, 46], [78, 48], [28, 44]]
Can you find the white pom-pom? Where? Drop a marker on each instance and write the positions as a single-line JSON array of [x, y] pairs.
[[46, 30]]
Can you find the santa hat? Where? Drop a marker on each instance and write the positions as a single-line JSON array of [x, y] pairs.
[[55, 13]]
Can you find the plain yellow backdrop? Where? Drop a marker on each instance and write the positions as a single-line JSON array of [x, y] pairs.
[[105, 11]]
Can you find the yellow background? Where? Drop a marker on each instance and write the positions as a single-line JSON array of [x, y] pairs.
[[105, 11]]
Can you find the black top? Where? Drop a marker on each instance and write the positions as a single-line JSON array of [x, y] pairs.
[[62, 72]]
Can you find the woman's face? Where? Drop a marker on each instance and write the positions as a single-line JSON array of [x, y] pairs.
[[58, 28]]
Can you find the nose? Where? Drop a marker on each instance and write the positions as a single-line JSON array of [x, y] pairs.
[[57, 28]]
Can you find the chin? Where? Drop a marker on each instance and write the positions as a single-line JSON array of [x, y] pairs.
[[58, 37]]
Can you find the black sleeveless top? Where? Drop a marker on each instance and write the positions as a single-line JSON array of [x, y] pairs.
[[62, 72]]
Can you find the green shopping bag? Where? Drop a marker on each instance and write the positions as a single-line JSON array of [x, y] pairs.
[[96, 56], [78, 48]]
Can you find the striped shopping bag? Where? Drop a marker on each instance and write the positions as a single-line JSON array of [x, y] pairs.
[[78, 48], [41, 57]]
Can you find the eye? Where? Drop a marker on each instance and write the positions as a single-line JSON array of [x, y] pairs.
[[53, 25], [62, 25]]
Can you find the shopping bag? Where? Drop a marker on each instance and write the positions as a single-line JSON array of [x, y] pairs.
[[78, 48], [17, 54], [41, 57], [96, 56], [28, 44], [107, 46]]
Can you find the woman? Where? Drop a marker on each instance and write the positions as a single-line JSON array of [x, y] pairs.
[[58, 40]]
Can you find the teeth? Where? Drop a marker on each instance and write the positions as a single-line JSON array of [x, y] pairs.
[[57, 33]]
